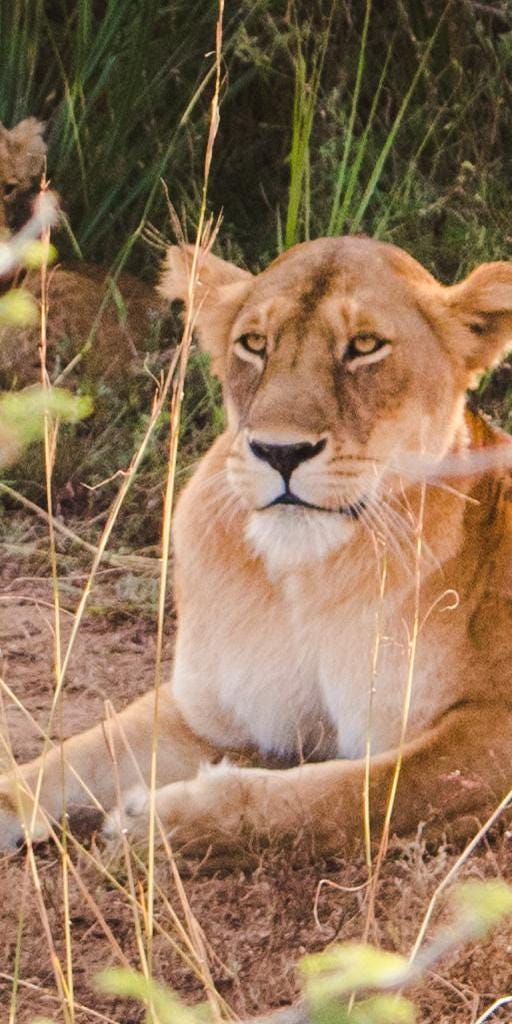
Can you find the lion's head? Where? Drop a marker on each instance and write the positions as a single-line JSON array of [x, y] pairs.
[[340, 362], [22, 156]]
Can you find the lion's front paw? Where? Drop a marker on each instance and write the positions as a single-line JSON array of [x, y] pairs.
[[11, 829], [132, 818], [208, 811], [174, 813], [17, 821]]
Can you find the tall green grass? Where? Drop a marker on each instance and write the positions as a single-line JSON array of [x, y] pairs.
[[305, 99], [334, 117], [121, 86], [398, 140], [392, 120]]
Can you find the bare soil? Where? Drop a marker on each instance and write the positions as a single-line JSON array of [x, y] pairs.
[[252, 923]]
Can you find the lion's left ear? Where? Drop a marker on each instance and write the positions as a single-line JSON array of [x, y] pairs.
[[482, 305], [220, 290]]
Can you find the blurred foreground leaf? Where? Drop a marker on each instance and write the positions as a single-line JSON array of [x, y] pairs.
[[162, 1007], [350, 968], [480, 906], [383, 1010], [22, 415], [18, 308], [37, 252]]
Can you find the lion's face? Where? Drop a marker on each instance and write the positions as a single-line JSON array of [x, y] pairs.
[[333, 373], [340, 362]]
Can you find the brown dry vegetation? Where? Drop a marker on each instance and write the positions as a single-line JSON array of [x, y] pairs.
[[104, 327]]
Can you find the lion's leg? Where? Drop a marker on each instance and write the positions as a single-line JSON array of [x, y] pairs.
[[96, 765], [457, 770]]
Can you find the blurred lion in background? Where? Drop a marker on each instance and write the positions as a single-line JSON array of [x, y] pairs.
[[106, 325]]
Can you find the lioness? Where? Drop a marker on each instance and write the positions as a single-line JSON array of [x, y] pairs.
[[106, 326], [336, 592]]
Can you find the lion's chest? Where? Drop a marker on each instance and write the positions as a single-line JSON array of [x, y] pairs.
[[294, 682]]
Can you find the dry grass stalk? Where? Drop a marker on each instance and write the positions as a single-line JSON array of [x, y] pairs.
[[204, 238], [142, 904]]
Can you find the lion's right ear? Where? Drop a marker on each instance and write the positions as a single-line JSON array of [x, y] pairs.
[[219, 291]]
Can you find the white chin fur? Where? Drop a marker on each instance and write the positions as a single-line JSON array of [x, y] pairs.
[[290, 537]]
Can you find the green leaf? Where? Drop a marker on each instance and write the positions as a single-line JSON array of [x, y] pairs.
[[24, 411], [379, 1009], [480, 906], [384, 1010], [22, 416], [17, 308], [351, 968], [37, 253], [163, 1007]]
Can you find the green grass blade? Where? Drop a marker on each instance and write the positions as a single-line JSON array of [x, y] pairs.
[[335, 217]]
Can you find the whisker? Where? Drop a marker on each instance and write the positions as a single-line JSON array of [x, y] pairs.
[[401, 522], [225, 511], [216, 500], [209, 497], [396, 531], [380, 535], [412, 527], [214, 478], [391, 540], [440, 485]]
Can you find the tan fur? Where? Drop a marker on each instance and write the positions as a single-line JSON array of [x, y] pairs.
[[108, 324], [291, 616]]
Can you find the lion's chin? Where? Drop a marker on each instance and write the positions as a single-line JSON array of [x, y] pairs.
[[288, 537]]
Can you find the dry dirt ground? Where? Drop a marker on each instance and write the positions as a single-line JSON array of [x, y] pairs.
[[253, 924]]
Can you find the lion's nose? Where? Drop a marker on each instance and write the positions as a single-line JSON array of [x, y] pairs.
[[286, 457]]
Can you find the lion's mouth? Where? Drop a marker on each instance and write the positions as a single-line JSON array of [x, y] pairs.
[[354, 510]]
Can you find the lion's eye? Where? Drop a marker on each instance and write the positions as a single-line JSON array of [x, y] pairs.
[[252, 343], [363, 345], [251, 346], [366, 348]]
